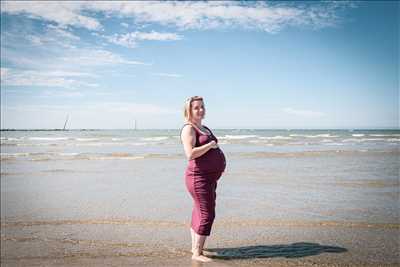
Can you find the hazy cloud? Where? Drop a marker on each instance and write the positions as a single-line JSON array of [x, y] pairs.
[[11, 77], [304, 113], [170, 75]]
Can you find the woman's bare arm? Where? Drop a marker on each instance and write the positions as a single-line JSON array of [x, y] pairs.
[[188, 138]]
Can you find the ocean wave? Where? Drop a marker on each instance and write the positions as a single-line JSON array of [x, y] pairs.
[[278, 137], [77, 144], [333, 144], [14, 155], [314, 136], [157, 138], [48, 138], [36, 156], [312, 153], [236, 137], [357, 135], [358, 140], [86, 139], [385, 135], [99, 144], [13, 138]]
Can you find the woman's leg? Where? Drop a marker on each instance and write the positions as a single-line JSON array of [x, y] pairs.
[[198, 249], [193, 234]]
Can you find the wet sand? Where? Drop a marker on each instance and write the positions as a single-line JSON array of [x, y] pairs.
[[133, 242]]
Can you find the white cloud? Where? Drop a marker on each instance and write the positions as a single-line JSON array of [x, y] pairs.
[[304, 113], [269, 17], [10, 77], [123, 24], [55, 48], [70, 74], [97, 57], [63, 13], [130, 39], [170, 75], [58, 93]]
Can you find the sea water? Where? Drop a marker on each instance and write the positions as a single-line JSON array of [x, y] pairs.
[[313, 175]]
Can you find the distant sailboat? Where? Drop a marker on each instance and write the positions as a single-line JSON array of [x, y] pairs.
[[65, 124], [134, 124]]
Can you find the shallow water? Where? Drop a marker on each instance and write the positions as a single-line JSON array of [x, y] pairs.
[[276, 174], [104, 197]]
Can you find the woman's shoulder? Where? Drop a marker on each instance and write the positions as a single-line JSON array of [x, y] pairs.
[[188, 127]]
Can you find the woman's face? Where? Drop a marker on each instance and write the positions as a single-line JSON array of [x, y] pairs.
[[198, 110]]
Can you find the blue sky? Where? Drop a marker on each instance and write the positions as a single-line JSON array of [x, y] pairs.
[[257, 64]]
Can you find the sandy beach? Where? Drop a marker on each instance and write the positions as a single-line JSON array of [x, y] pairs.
[[68, 202], [165, 243]]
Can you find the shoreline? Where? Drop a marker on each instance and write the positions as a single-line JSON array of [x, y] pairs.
[[220, 223]]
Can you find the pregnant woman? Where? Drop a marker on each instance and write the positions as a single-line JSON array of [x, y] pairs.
[[206, 165]]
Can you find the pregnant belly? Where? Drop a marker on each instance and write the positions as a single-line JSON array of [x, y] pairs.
[[212, 161]]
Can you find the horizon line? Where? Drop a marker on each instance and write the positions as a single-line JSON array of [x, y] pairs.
[[229, 128]]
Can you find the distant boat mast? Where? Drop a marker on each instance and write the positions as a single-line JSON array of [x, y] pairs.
[[134, 123], [65, 124]]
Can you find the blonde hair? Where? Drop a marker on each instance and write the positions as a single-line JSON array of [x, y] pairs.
[[187, 112]]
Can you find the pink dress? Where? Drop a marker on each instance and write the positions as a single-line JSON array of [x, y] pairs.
[[201, 178]]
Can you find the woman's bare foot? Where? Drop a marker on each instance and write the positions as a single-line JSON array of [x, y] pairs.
[[207, 253], [201, 258]]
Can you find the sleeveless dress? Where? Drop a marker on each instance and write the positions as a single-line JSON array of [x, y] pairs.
[[201, 178]]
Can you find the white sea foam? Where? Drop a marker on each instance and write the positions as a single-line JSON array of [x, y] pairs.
[[333, 144], [113, 158], [326, 135], [48, 138], [99, 144], [22, 154], [357, 135], [278, 137], [358, 140], [313, 136], [385, 135], [352, 140], [157, 138], [69, 154], [237, 137], [6, 139], [86, 139]]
